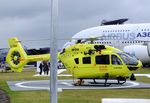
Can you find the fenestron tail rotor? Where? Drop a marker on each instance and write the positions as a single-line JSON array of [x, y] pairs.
[[15, 57]]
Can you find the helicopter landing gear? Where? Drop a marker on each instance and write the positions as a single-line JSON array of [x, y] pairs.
[[94, 81], [106, 78], [79, 82], [132, 78], [105, 83], [119, 79]]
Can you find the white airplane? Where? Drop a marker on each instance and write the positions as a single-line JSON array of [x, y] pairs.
[[131, 38]]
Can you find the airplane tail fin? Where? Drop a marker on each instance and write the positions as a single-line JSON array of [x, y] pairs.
[[16, 56]]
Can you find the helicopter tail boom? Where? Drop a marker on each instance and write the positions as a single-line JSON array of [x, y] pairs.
[[17, 57]]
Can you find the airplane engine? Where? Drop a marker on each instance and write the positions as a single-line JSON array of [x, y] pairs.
[[142, 52]]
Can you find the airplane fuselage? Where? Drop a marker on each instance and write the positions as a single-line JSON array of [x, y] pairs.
[[126, 37]]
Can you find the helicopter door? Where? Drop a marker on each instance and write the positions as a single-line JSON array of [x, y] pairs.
[[102, 65], [84, 69], [117, 66]]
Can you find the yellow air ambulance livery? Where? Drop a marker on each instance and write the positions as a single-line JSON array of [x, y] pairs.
[[83, 61]]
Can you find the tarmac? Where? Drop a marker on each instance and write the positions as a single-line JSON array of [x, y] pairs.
[[125, 100], [68, 84], [4, 97]]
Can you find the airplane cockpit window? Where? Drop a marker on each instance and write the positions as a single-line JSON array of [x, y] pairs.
[[128, 59], [86, 60], [76, 60], [102, 59], [115, 60]]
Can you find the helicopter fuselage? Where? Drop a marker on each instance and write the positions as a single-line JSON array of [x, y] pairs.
[[83, 61], [91, 61]]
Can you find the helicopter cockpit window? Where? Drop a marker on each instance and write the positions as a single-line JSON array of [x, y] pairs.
[[102, 59], [86, 60], [128, 59], [115, 60], [76, 60]]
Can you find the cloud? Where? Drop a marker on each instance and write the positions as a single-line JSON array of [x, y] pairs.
[[30, 19], [23, 8]]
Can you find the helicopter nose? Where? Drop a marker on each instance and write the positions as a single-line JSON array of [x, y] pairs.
[[132, 68], [138, 66]]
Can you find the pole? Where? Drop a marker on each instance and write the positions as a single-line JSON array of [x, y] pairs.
[[53, 51]]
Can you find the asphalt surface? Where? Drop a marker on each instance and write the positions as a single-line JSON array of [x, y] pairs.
[[4, 98], [68, 84]]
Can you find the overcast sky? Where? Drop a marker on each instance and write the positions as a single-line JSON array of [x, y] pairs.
[[30, 19]]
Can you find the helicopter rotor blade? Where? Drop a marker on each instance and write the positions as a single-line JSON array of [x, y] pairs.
[[92, 39]]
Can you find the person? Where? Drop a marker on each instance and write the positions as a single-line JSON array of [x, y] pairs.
[[41, 68], [49, 65], [45, 67]]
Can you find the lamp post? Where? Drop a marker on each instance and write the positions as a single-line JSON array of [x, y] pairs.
[[53, 51]]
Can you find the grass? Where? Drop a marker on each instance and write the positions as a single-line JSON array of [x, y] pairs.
[[25, 75], [68, 96], [95, 96], [23, 96], [143, 71]]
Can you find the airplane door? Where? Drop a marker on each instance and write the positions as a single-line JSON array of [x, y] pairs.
[[117, 66]]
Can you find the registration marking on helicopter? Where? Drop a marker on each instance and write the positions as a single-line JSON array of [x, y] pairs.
[[103, 68], [117, 67]]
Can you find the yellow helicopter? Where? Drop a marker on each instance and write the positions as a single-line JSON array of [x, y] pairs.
[[83, 61]]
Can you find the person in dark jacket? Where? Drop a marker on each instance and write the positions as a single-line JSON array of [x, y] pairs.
[[45, 67], [41, 68]]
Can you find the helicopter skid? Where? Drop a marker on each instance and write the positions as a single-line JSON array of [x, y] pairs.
[[103, 84], [106, 82]]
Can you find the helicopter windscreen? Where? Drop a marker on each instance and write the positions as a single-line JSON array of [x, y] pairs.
[[128, 59]]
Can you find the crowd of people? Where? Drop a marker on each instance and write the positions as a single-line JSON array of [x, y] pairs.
[[44, 67]]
